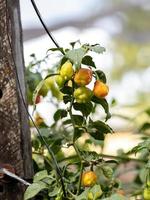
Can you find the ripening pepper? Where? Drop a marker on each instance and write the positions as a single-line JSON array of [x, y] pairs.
[[83, 76], [100, 89], [89, 178], [83, 94], [66, 70]]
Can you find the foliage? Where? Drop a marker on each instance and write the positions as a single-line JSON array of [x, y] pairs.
[[59, 176]]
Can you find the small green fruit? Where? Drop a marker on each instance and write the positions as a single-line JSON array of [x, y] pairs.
[[83, 95], [66, 70]]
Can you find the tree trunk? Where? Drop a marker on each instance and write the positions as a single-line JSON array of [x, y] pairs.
[[15, 144]]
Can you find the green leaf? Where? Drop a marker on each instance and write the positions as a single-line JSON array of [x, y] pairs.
[[33, 55], [98, 129], [147, 111], [112, 161], [37, 89], [45, 132], [40, 175], [68, 121], [83, 195], [96, 48], [35, 93], [107, 171], [54, 192], [59, 114], [104, 104], [56, 49], [141, 146], [90, 155], [143, 174], [74, 43], [36, 144], [88, 60], [78, 119], [34, 189], [101, 75], [116, 197], [63, 60], [96, 191], [75, 56], [78, 132], [113, 102], [66, 90], [67, 99], [145, 126], [84, 108]]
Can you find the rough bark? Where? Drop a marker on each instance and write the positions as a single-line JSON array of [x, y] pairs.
[[15, 145]]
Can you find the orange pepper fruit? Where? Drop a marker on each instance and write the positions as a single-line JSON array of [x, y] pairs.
[[83, 76], [100, 89]]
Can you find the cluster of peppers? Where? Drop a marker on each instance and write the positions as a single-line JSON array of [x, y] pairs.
[[81, 78]]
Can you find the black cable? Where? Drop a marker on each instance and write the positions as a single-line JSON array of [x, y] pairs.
[[44, 25], [26, 108]]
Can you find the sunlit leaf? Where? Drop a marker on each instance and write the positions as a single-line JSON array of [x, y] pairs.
[[76, 56], [34, 189], [96, 48], [40, 175]]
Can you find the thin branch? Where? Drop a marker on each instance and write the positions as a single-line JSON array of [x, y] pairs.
[[127, 159], [43, 24]]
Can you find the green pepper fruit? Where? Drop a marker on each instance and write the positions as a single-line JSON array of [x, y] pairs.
[[93, 195], [146, 194], [52, 86], [90, 196], [60, 81], [83, 95], [43, 91], [148, 183], [66, 70]]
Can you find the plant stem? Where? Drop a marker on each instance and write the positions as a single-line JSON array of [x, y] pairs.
[[77, 151], [109, 156], [79, 185], [122, 158], [74, 144]]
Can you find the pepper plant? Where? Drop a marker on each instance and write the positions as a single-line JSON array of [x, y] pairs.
[[80, 87]]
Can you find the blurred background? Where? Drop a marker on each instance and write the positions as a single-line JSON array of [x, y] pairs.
[[123, 28]]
